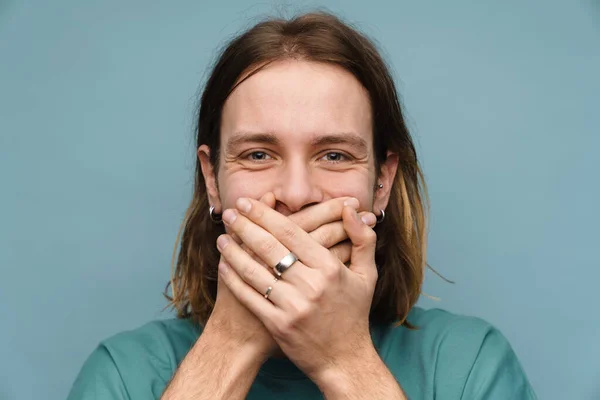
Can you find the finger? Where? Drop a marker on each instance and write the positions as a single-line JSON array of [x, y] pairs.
[[254, 275], [363, 238], [333, 233], [368, 218], [323, 213], [254, 256], [255, 219], [262, 308], [263, 244], [342, 251], [268, 199]]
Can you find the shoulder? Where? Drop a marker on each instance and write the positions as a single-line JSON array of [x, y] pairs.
[[457, 339], [439, 326], [465, 356], [435, 327], [136, 363], [163, 341]]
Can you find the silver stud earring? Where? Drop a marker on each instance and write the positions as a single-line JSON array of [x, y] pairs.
[[215, 217], [380, 186], [380, 217]]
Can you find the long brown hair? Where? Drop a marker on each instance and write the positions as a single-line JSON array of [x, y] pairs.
[[401, 237]]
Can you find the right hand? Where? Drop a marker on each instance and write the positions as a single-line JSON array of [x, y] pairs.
[[324, 223]]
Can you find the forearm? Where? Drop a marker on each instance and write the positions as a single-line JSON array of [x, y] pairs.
[[367, 378], [215, 368]]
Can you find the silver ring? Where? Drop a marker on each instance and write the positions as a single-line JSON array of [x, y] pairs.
[[269, 289], [285, 263], [268, 292]]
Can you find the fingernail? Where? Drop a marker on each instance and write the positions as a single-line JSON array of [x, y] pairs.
[[243, 204], [369, 219], [352, 202], [229, 216], [222, 242]]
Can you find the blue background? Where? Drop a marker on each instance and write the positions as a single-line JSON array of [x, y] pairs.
[[96, 159]]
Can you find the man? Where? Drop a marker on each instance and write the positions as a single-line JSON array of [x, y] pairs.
[[303, 249]]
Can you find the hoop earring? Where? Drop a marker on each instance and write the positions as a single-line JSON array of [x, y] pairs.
[[380, 217], [215, 217]]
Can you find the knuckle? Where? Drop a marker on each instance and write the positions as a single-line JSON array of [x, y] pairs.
[[321, 236], [284, 328], [315, 294], [332, 274], [266, 246], [249, 272], [301, 311], [289, 232]]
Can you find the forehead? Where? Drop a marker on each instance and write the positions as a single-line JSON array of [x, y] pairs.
[[298, 100]]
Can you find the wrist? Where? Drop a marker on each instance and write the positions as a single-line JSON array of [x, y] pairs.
[[218, 366], [339, 378], [223, 335]]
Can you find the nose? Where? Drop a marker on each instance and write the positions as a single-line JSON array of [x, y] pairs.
[[295, 188]]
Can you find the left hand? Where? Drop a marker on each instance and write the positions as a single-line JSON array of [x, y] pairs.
[[318, 312]]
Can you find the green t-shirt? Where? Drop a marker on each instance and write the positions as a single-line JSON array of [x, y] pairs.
[[448, 357]]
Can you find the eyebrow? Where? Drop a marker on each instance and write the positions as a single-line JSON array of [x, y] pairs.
[[348, 138], [240, 138]]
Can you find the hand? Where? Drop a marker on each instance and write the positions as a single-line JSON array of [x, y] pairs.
[[319, 311], [323, 221]]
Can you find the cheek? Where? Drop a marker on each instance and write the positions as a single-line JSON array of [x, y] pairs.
[[234, 186], [356, 183], [349, 184]]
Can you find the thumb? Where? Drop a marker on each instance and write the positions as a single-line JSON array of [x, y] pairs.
[[364, 239]]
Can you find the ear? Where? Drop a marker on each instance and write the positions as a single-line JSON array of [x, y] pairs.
[[386, 177], [210, 179]]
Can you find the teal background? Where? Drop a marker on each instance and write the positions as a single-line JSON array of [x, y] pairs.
[[96, 158]]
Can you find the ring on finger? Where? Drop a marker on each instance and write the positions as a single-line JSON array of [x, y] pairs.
[[285, 263], [269, 289]]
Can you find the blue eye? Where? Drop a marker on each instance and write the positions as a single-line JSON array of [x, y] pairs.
[[334, 157], [258, 156]]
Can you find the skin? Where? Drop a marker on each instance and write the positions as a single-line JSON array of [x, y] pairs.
[[225, 359], [297, 103], [296, 157]]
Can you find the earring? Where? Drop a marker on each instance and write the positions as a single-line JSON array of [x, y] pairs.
[[215, 217], [380, 186], [380, 217]]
